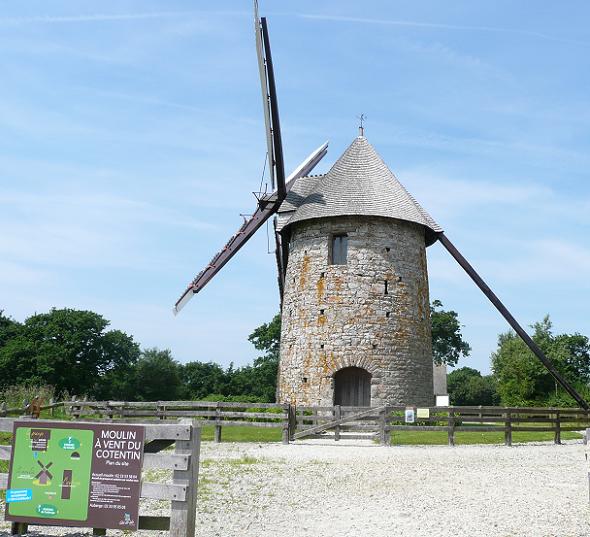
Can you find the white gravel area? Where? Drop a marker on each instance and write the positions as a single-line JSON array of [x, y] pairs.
[[353, 488]]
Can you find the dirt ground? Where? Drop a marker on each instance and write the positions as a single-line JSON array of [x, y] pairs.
[[323, 488]]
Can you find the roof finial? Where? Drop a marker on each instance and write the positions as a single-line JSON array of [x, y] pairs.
[[362, 118]]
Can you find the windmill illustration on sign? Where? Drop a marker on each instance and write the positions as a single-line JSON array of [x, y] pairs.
[[353, 283], [44, 477]]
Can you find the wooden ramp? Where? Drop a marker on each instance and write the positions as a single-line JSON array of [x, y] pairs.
[[318, 429]]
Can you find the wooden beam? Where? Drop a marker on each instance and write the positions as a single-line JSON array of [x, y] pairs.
[[164, 491], [184, 513], [168, 461]]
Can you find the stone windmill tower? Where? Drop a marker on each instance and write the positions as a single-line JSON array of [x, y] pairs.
[[356, 315], [351, 259]]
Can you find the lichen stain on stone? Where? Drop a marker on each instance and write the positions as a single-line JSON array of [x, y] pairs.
[[321, 320], [321, 286], [304, 271], [327, 363]]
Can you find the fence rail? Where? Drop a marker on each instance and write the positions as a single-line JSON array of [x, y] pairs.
[[380, 423], [384, 422], [218, 414]]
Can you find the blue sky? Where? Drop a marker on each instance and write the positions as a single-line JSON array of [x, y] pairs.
[[131, 138]]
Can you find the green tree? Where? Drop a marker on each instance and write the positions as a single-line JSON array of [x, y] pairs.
[[448, 344], [467, 387], [201, 379], [267, 337], [522, 379], [67, 349], [157, 376], [8, 328]]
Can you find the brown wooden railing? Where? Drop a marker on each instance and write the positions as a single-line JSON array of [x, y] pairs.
[[218, 414], [386, 421], [333, 422]]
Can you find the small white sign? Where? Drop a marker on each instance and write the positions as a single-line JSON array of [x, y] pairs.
[[442, 400], [423, 413], [410, 417]]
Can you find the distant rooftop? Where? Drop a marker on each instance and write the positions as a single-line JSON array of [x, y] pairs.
[[359, 183]]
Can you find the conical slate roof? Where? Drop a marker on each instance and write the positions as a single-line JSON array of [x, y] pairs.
[[359, 183]]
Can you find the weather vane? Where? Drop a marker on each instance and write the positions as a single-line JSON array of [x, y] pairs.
[[361, 118]]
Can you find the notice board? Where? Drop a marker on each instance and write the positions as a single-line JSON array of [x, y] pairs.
[[75, 474]]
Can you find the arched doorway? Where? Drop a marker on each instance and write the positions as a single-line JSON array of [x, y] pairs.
[[352, 387]]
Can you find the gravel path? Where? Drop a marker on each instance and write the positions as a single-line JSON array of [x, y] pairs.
[[326, 489]]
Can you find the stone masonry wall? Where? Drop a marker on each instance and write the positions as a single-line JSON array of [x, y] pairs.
[[337, 316]]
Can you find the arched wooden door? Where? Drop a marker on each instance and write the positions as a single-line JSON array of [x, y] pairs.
[[352, 387]]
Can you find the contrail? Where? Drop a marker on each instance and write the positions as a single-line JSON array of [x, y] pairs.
[[417, 24]]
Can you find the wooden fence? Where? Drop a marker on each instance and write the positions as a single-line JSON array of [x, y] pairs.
[[182, 492], [213, 413], [336, 422], [382, 423]]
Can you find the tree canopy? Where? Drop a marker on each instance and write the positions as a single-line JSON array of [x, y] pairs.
[[521, 377], [467, 387], [69, 349], [448, 344]]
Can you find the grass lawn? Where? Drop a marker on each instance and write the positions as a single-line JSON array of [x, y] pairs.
[[244, 434], [406, 438]]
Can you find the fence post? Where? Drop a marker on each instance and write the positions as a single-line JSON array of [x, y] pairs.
[[286, 422], [451, 427], [292, 421], [337, 416], [385, 437], [557, 439], [3, 408], [508, 429], [217, 424], [183, 514], [18, 528]]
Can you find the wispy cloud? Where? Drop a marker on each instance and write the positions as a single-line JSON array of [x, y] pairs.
[[439, 26], [105, 17], [87, 230], [454, 196]]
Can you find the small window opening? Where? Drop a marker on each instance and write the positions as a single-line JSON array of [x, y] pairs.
[[399, 278], [386, 284], [322, 346], [387, 313], [304, 380], [388, 249], [374, 345], [322, 275], [322, 312], [339, 250]]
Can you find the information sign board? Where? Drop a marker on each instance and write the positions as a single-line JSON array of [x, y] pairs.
[[75, 474]]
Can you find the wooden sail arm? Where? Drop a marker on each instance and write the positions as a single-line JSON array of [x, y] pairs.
[[268, 206]]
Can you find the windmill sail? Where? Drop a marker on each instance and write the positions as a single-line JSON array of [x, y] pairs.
[[269, 103], [267, 207]]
